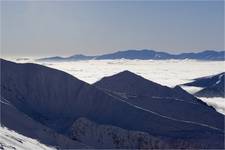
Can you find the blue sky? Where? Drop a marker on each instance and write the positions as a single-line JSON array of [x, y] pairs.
[[46, 28]]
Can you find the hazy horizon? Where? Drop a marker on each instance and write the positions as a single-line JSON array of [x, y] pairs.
[[49, 55], [64, 28]]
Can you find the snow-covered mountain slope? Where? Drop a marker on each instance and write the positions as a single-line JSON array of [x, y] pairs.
[[216, 90], [207, 81], [108, 136], [213, 86], [11, 140], [62, 98], [132, 84], [16, 120], [161, 100], [56, 99], [217, 102], [164, 72]]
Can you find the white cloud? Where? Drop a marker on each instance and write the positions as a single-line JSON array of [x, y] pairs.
[[165, 72], [218, 103]]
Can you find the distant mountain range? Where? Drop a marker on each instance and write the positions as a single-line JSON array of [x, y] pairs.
[[144, 55], [213, 86], [121, 111]]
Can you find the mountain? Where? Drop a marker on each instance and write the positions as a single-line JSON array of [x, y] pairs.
[[55, 58], [151, 96], [130, 83], [205, 55], [136, 54], [48, 100], [145, 55], [216, 90], [14, 119], [213, 86], [80, 57], [71, 58], [206, 81]]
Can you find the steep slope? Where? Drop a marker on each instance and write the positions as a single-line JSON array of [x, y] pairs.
[[108, 136], [207, 81], [160, 99], [213, 86], [216, 90], [15, 120], [132, 84], [57, 99]]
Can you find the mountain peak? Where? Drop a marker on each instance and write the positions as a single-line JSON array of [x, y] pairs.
[[126, 72], [130, 83], [125, 76]]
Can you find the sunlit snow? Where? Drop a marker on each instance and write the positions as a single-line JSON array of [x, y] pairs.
[[10, 140]]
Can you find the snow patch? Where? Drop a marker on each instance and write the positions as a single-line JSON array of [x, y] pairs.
[[11, 140], [191, 89]]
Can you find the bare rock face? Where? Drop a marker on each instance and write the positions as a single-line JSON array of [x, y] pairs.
[[107, 136]]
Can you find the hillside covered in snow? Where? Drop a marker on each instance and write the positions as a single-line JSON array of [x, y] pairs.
[[62, 111], [11, 140]]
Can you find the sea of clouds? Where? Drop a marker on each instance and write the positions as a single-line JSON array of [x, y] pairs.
[[165, 72]]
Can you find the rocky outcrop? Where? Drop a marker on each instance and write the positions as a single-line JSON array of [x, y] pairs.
[[107, 136]]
